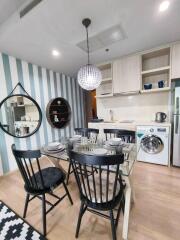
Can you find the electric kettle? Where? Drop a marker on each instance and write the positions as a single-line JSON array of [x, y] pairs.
[[160, 117]]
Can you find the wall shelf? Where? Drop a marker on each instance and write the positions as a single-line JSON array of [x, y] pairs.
[[58, 112], [156, 67], [156, 70], [107, 79], [154, 90]]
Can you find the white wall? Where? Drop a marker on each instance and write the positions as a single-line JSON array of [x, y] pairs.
[[140, 107]]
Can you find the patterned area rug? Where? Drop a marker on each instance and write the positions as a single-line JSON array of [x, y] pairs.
[[12, 227]]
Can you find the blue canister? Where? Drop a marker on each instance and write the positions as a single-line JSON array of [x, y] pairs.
[[161, 83]]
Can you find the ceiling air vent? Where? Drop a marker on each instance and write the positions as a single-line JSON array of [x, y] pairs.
[[29, 7], [104, 39]]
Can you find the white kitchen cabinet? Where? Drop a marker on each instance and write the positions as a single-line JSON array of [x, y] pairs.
[[127, 75], [156, 66], [105, 88], [175, 61]]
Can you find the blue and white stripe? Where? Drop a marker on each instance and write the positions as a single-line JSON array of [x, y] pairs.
[[43, 85]]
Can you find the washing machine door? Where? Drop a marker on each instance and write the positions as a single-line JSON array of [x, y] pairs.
[[152, 144]]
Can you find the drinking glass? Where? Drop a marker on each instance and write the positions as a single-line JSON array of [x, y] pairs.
[[84, 140], [76, 146], [100, 142]]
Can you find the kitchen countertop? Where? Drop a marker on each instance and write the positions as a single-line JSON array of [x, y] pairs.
[[153, 123], [128, 125]]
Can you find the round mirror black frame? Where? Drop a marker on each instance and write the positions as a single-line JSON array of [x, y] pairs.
[[39, 110]]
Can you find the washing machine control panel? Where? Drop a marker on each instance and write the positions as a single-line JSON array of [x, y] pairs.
[[161, 130], [153, 129]]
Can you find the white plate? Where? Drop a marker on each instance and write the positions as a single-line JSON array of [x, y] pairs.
[[115, 141], [76, 136], [53, 151], [54, 146], [99, 151], [59, 148]]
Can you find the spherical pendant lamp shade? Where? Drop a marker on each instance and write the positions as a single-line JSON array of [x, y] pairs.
[[89, 77]]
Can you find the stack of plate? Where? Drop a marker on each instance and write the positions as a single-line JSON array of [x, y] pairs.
[[115, 142], [99, 151], [75, 138], [54, 147]]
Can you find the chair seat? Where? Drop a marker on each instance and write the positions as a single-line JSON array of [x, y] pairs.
[[52, 177]]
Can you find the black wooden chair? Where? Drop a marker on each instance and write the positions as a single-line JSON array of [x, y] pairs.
[[84, 132], [111, 133], [126, 135], [101, 191], [39, 182]]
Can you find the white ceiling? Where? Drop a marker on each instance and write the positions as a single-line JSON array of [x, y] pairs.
[[8, 7], [57, 24]]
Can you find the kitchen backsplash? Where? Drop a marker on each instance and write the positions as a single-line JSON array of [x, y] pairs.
[[140, 107]]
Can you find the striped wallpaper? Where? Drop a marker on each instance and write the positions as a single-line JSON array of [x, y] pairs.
[[42, 84]]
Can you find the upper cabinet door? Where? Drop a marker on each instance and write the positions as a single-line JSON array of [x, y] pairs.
[[175, 72], [117, 76], [126, 74]]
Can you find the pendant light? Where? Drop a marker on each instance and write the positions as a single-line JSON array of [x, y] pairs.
[[89, 76]]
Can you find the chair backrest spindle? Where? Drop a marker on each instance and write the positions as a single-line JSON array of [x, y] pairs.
[[126, 135], [87, 132], [110, 133], [96, 181]]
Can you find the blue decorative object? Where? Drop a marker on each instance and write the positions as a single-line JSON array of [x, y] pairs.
[[161, 83], [148, 86]]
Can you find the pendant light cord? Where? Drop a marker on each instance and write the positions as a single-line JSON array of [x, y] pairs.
[[87, 44]]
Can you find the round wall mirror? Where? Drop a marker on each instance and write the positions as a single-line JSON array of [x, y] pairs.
[[20, 115]]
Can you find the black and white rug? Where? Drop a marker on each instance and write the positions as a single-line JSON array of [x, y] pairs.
[[12, 227]]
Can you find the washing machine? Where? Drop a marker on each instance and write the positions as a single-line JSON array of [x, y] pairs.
[[153, 144]]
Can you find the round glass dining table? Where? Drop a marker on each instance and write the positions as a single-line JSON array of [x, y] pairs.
[[91, 148]]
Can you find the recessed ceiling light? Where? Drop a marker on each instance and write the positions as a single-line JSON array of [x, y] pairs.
[[55, 53], [164, 6], [116, 35]]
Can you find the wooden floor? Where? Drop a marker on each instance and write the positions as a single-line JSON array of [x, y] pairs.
[[155, 215]]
